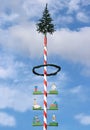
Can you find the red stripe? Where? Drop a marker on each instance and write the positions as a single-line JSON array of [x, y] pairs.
[[45, 125], [45, 82], [45, 41], [45, 52], [45, 72], [45, 62], [45, 103], [45, 114], [45, 93]]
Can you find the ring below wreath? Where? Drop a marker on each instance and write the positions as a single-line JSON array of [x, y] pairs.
[[50, 74]]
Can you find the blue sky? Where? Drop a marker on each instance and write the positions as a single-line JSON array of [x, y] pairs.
[[21, 48]]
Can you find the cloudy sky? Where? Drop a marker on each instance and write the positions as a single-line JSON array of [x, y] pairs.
[[21, 48]]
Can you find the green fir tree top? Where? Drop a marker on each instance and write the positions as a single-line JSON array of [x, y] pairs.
[[45, 23]]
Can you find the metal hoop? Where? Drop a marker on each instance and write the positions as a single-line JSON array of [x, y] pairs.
[[51, 74]]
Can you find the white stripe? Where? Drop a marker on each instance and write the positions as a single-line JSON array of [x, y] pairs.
[[45, 109], [45, 89], [45, 48], [45, 68], [45, 120], [45, 58], [44, 128]]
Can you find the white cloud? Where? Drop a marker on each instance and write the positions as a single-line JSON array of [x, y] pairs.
[[11, 17], [83, 119], [4, 18], [76, 90], [81, 16], [32, 12], [38, 7], [80, 93], [71, 45], [7, 66], [4, 73], [7, 120], [73, 5], [64, 20], [23, 39], [15, 99]]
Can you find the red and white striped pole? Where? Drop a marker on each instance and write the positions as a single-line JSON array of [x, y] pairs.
[[45, 85]]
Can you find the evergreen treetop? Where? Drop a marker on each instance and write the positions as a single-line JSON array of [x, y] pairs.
[[45, 23]]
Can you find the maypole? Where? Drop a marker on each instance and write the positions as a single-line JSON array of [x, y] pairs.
[[45, 26]]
